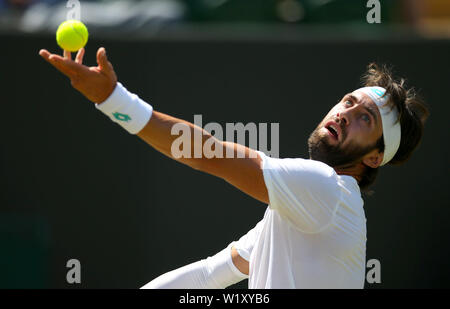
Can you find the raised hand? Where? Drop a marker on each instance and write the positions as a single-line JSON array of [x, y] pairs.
[[95, 83]]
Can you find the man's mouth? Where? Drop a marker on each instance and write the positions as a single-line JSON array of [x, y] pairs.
[[333, 129]]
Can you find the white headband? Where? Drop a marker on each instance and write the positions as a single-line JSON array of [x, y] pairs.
[[391, 130]]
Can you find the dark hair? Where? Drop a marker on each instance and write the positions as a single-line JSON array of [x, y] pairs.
[[412, 116]]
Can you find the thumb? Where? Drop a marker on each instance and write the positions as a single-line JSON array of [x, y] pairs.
[[103, 62]]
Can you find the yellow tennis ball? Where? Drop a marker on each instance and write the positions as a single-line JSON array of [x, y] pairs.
[[72, 35]]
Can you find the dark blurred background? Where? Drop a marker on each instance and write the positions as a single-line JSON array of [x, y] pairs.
[[75, 185]]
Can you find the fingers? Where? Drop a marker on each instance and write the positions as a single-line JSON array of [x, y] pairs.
[[44, 54], [103, 62], [79, 56], [64, 65], [67, 55], [53, 59]]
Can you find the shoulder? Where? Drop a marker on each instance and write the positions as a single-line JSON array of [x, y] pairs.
[[302, 168]]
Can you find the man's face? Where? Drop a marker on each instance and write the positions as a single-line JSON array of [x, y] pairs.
[[348, 132]]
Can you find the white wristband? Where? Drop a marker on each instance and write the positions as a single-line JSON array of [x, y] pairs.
[[126, 109]]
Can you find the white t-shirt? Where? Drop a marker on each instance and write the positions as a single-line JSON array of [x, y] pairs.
[[313, 234]]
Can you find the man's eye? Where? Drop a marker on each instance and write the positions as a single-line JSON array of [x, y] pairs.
[[349, 103], [366, 118]]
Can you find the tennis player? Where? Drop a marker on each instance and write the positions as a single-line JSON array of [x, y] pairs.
[[313, 233]]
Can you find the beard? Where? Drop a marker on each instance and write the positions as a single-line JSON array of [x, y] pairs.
[[335, 155]]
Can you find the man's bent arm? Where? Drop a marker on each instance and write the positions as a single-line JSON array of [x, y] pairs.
[[243, 169]]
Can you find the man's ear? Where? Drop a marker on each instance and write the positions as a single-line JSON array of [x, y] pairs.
[[373, 159]]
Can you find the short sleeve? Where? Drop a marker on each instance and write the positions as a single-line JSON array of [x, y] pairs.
[[304, 192], [244, 246]]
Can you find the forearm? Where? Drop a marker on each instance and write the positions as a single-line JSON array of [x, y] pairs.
[[158, 134]]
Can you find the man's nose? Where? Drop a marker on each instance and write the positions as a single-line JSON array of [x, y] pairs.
[[342, 116], [350, 113]]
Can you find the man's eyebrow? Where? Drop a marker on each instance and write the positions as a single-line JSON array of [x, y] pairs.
[[368, 109]]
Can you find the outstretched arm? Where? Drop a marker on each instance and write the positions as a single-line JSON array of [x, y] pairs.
[[243, 169]]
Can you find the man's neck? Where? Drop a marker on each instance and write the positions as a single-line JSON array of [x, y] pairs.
[[355, 171]]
